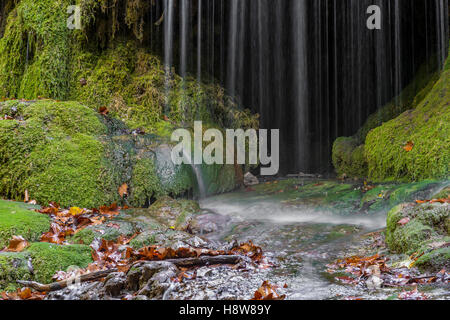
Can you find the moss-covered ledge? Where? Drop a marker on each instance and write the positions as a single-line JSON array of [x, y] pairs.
[[422, 230], [406, 140], [16, 219]]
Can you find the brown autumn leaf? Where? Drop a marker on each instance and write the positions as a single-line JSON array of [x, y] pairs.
[[103, 111], [404, 221], [267, 292], [123, 190], [17, 244], [409, 146], [25, 294], [110, 210]]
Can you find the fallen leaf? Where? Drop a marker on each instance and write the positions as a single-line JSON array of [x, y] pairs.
[[17, 244], [123, 190], [267, 292], [103, 111], [25, 293], [75, 211], [409, 146], [404, 221]]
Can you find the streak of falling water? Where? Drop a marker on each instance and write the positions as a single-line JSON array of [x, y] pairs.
[[398, 51], [232, 46], [299, 34], [199, 41], [184, 36], [168, 46], [196, 169]]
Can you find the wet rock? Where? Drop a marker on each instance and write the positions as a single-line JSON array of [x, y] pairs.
[[151, 279], [421, 228], [84, 291], [155, 278], [208, 223], [204, 272], [374, 282], [115, 283], [250, 180]]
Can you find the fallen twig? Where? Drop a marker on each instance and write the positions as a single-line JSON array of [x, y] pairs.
[[205, 260], [55, 286]]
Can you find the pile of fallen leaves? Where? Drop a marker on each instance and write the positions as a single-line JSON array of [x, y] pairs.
[[113, 255], [22, 294], [374, 273], [68, 222], [444, 200]]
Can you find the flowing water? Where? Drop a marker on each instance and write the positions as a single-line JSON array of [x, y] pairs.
[[300, 241]]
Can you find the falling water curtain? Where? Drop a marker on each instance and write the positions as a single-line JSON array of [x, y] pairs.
[[311, 68]]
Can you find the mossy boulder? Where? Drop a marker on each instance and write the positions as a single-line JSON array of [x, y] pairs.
[[388, 195], [348, 157], [416, 116], [436, 259], [39, 262], [13, 266], [110, 231], [423, 230], [173, 213], [48, 258], [17, 220], [52, 149], [414, 146]]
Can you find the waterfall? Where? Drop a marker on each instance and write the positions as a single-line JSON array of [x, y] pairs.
[[168, 45], [196, 169], [310, 68]]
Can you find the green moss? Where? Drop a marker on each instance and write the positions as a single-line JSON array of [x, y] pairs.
[[16, 220], [109, 231], [13, 266], [146, 238], [409, 238], [427, 127], [364, 154], [406, 192], [49, 258], [34, 50], [435, 260], [348, 157], [136, 88], [427, 225], [173, 212], [84, 236], [145, 183], [55, 153]]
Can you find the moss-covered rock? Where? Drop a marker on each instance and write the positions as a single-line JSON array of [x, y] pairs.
[[424, 231], [49, 258], [52, 149], [13, 266], [416, 116], [110, 231], [435, 260], [414, 146], [348, 157], [171, 212], [34, 51], [17, 220]]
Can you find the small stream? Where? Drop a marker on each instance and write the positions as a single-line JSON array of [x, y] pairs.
[[299, 241]]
